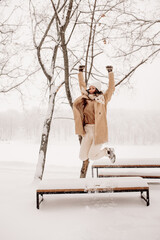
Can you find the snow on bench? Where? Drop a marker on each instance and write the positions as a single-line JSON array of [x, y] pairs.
[[128, 164], [98, 185]]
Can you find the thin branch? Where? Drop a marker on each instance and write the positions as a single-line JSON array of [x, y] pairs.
[[138, 65], [18, 84], [68, 15], [75, 23], [89, 40], [63, 118], [56, 13]]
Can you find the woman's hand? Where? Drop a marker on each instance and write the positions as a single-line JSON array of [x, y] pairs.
[[81, 68], [109, 68]]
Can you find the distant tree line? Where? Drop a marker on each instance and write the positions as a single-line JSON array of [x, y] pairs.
[[125, 126]]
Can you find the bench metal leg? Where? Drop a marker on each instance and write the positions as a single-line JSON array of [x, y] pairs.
[[37, 199], [145, 198], [92, 172], [148, 202], [97, 171]]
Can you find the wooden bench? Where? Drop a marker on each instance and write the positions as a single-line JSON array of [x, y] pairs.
[[93, 185], [127, 164]]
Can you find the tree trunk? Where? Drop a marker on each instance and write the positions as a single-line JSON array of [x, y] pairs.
[[84, 168], [45, 137], [66, 67]]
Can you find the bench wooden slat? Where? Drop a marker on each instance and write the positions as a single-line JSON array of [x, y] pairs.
[[105, 189], [129, 175], [126, 166], [60, 190]]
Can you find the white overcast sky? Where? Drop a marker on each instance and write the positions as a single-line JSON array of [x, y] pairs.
[[145, 93]]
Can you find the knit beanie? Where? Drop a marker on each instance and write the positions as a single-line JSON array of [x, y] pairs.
[[96, 85]]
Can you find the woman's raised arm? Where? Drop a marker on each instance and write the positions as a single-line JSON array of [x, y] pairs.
[[111, 86], [82, 83]]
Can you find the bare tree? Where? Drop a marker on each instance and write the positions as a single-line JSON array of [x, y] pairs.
[[60, 21], [77, 32]]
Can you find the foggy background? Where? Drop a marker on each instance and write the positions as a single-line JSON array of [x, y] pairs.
[[125, 126]]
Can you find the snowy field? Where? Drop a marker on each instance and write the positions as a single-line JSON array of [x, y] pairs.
[[118, 216]]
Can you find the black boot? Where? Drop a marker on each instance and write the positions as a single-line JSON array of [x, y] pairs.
[[84, 169]]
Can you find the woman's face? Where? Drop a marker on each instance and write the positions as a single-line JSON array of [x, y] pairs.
[[92, 89]]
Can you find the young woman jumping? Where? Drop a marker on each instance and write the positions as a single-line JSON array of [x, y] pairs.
[[90, 115]]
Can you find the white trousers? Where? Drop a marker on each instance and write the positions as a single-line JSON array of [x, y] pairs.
[[88, 148]]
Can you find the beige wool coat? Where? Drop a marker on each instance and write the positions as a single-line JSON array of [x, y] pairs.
[[101, 128]]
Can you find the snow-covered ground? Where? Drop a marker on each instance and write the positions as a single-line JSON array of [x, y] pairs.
[[94, 216]]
